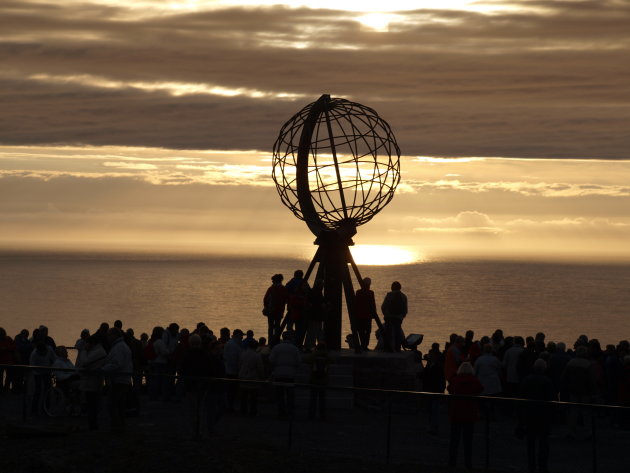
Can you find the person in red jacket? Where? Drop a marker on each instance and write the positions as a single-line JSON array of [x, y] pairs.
[[463, 413], [454, 358]]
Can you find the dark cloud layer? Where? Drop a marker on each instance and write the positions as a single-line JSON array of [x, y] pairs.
[[547, 84]]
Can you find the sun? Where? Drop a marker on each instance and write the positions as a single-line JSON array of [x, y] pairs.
[[376, 21], [382, 255]]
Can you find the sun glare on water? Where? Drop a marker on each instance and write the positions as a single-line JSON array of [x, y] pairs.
[[378, 255]]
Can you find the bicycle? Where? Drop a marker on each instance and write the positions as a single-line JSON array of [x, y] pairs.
[[57, 403]]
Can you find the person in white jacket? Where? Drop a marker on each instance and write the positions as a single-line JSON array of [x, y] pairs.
[[251, 369], [285, 360], [488, 370], [90, 360], [118, 368]]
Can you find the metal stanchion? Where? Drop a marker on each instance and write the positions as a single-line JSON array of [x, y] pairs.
[[291, 407], [24, 395], [487, 409], [198, 398], [389, 428], [594, 439]]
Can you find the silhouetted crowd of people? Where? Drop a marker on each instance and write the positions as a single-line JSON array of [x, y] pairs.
[[529, 368], [170, 365]]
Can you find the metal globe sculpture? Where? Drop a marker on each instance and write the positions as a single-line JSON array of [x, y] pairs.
[[336, 164]]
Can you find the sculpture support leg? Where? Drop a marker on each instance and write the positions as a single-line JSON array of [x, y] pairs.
[[334, 260], [332, 292]]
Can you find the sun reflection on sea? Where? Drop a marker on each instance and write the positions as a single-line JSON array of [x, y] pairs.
[[383, 255]]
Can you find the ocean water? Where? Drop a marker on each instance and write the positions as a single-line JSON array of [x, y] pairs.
[[69, 292]]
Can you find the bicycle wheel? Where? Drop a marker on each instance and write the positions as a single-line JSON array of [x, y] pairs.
[[55, 403]]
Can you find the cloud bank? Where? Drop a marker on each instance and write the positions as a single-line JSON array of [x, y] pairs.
[[529, 79]]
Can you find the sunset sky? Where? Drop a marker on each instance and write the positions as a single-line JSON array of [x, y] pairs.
[[148, 125]]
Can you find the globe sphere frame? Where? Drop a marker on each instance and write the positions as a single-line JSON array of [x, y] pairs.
[[336, 164]]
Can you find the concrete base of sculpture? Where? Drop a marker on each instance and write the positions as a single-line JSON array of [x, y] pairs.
[[372, 370]]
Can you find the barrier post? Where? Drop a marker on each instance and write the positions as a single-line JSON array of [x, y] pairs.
[[389, 428], [198, 397], [487, 410], [594, 439], [291, 407], [24, 394]]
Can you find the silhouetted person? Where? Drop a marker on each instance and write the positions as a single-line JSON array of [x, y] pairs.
[[293, 287], [578, 384], [67, 381], [224, 335], [623, 391], [91, 358], [285, 360], [215, 397], [497, 341], [118, 367], [316, 315], [43, 355], [23, 347], [170, 337], [364, 312], [8, 351], [319, 362], [251, 369], [557, 363], [42, 335], [510, 363], [85, 333], [394, 310], [468, 341], [488, 370], [463, 413], [472, 348], [537, 386], [139, 365], [527, 358], [274, 304], [232, 358], [196, 368], [249, 336], [539, 343], [101, 333], [156, 355], [297, 312], [454, 358], [508, 342], [433, 381]]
